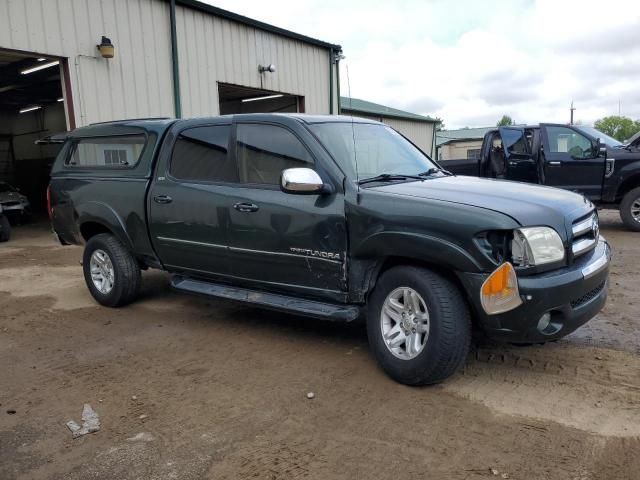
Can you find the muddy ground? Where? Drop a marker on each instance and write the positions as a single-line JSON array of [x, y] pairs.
[[190, 388]]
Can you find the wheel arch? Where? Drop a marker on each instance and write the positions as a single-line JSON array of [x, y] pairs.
[[627, 185], [94, 218]]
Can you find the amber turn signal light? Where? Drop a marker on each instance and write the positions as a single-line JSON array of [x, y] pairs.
[[499, 292]]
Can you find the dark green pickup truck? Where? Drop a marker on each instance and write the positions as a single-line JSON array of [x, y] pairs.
[[330, 217]]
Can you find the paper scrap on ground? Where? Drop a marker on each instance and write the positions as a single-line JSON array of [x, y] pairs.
[[90, 422]]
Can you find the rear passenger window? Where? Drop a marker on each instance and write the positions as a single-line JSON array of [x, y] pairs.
[[264, 151], [109, 152], [200, 154]]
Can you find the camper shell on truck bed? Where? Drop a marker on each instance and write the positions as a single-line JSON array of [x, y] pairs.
[[330, 217]]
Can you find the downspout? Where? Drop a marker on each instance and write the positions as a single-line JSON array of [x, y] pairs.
[[331, 60], [338, 84], [434, 150], [174, 60]]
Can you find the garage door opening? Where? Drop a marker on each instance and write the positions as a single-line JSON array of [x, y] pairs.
[[32, 106], [237, 99]]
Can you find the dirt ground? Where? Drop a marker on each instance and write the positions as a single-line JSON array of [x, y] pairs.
[[190, 388]]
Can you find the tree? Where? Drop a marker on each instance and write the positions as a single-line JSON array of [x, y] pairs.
[[505, 121], [440, 125], [620, 128]]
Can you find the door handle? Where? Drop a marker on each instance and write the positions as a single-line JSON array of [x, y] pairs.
[[162, 199], [246, 207], [555, 164]]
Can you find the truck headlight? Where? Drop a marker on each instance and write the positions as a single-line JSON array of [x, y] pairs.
[[536, 246]]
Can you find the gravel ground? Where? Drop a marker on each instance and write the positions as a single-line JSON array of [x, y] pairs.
[[190, 388]]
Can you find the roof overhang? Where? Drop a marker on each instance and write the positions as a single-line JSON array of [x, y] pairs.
[[219, 12]]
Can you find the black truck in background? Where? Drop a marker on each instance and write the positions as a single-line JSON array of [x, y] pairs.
[[573, 157]]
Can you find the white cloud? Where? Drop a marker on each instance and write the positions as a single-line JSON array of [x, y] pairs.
[[471, 62]]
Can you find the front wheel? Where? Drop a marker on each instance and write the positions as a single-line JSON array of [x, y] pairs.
[[630, 210], [110, 271], [418, 325]]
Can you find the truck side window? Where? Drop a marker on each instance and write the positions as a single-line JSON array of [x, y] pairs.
[[107, 152], [264, 151], [567, 140], [200, 154]]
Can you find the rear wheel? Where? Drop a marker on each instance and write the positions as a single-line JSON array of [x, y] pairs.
[[630, 210], [418, 325], [110, 271], [5, 228]]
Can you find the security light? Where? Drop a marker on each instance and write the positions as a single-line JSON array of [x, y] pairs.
[[269, 68], [106, 48]]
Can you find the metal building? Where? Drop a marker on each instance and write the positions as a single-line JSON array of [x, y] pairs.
[[69, 63], [417, 128]]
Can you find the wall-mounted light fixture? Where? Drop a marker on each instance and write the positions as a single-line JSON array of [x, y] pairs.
[[106, 48], [268, 68]]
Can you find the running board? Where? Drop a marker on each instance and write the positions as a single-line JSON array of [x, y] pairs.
[[273, 301]]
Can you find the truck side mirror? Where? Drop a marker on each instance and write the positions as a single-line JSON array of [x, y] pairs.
[[302, 181], [600, 148]]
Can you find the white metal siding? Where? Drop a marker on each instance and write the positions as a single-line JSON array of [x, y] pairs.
[[420, 133], [137, 82], [213, 49]]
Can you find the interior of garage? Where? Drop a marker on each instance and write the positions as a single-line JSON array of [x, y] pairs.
[[31, 107], [238, 99]]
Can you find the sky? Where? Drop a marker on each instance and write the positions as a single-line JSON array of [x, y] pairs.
[[470, 62]]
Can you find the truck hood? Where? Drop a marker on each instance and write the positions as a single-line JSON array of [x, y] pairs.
[[527, 204]]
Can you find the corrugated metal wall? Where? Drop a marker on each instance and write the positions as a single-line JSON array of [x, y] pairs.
[[420, 133], [138, 82], [214, 49]]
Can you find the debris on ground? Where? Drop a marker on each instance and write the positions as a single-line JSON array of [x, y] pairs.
[[90, 422], [141, 437], [310, 395]]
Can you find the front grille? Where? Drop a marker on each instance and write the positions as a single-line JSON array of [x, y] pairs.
[[585, 234], [10, 204], [587, 297]]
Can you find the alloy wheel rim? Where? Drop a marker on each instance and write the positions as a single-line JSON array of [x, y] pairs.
[[102, 271], [404, 321], [635, 210]]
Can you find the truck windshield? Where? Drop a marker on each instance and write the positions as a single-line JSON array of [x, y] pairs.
[[366, 150], [604, 138]]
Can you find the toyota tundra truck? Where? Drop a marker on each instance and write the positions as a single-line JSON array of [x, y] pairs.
[[329, 217]]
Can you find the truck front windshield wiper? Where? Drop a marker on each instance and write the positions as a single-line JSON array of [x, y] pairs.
[[390, 177], [433, 170]]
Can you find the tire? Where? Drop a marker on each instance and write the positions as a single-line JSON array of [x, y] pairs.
[[445, 346], [5, 228], [631, 204], [124, 269]]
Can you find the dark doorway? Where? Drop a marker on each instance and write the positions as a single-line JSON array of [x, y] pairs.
[[32, 106], [237, 99]]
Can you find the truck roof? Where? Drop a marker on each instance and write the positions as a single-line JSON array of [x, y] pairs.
[[133, 125]]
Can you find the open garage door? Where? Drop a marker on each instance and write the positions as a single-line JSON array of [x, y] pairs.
[[32, 106], [237, 99]]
